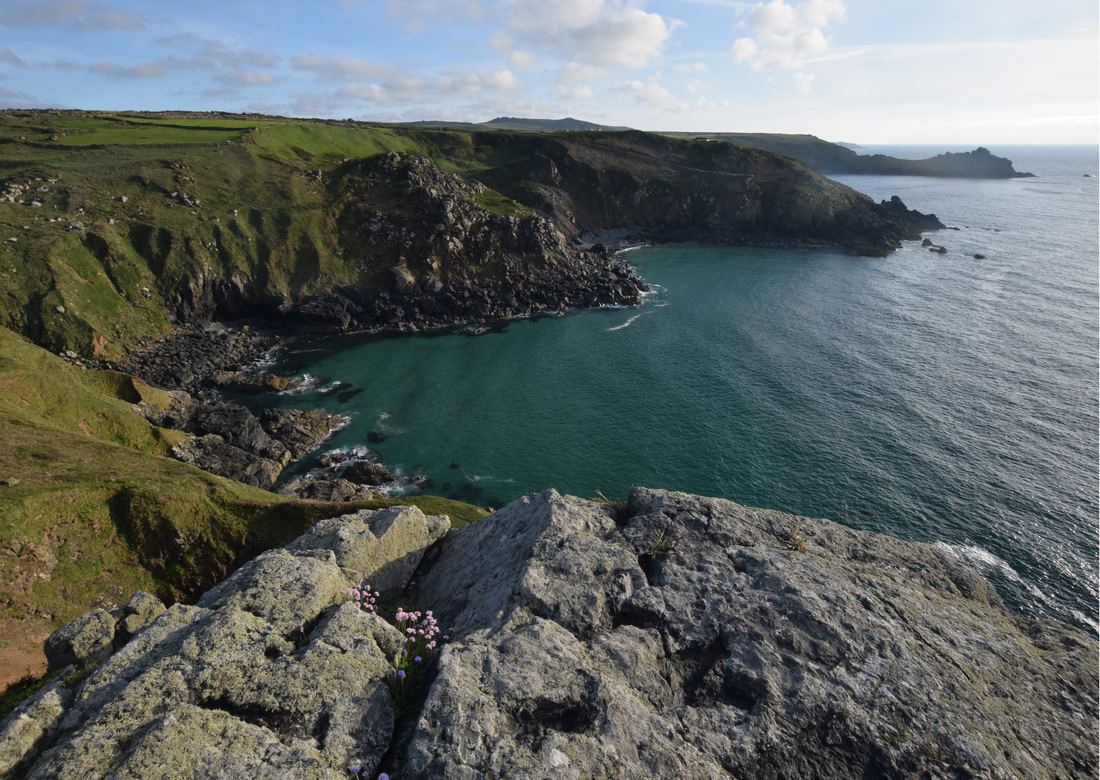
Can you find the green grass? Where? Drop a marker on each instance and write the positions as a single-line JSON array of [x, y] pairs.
[[100, 511]]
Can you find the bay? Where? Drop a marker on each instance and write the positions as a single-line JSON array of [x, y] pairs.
[[938, 398]]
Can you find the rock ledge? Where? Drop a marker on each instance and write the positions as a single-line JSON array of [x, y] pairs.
[[758, 644]]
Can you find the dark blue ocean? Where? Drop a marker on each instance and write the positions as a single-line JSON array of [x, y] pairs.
[[935, 397]]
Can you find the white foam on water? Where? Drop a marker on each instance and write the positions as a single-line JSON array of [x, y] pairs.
[[625, 324], [309, 384], [1079, 615], [985, 563]]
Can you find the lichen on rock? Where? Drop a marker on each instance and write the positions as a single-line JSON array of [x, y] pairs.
[[673, 636]]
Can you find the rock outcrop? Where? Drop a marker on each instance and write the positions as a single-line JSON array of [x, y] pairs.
[[230, 441], [672, 636]]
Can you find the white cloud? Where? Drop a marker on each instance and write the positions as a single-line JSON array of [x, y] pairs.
[[337, 68], [248, 78], [694, 67], [522, 59], [575, 93], [143, 70], [471, 82], [372, 93], [786, 36], [414, 15], [71, 13], [591, 32], [213, 54], [574, 72], [653, 95], [802, 82], [695, 86]]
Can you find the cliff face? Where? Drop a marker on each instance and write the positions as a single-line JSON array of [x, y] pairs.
[[672, 636], [830, 158], [332, 226], [696, 191]]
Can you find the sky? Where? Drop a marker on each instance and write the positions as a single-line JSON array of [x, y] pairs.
[[858, 71]]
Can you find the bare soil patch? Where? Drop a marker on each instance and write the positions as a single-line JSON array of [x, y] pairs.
[[21, 648]]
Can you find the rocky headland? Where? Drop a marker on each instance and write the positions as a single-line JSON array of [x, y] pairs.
[[330, 227], [667, 636], [833, 158]]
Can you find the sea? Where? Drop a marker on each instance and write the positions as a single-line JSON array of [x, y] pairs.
[[943, 398]]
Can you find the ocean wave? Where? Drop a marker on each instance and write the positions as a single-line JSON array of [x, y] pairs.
[[986, 564], [981, 559], [625, 324]]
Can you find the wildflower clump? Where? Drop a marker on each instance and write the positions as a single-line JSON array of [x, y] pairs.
[[422, 637], [364, 598]]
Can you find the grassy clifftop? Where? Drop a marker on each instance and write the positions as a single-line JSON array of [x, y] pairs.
[[114, 227], [93, 509]]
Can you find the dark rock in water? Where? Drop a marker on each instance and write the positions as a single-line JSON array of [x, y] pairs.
[[266, 383], [214, 454], [347, 395], [300, 431], [328, 489], [938, 249], [453, 466], [335, 388], [364, 472], [926, 242], [374, 437], [334, 458], [979, 257], [751, 643]]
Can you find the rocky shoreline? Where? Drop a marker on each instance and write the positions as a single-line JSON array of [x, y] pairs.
[[196, 361]]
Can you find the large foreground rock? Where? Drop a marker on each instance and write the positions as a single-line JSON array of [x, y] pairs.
[[272, 674], [761, 646], [676, 637]]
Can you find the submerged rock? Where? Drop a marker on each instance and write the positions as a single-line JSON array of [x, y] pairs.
[[673, 636]]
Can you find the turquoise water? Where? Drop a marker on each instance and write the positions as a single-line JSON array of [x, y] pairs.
[[934, 397]]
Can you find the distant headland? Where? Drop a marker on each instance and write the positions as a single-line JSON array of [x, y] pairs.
[[822, 156]]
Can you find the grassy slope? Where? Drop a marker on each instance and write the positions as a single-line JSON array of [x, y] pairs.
[[262, 214], [96, 493]]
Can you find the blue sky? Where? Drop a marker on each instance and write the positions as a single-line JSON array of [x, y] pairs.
[[933, 71]]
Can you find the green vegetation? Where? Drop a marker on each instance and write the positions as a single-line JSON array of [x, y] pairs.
[[113, 224], [99, 511]]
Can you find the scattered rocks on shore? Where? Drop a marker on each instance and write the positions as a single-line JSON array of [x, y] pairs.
[[228, 440], [186, 357]]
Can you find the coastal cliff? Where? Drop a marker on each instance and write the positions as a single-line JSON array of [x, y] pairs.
[[831, 159], [667, 636], [117, 228]]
